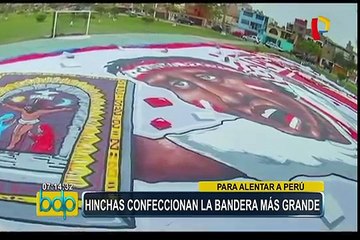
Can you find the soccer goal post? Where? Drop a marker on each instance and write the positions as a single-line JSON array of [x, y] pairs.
[[68, 23]]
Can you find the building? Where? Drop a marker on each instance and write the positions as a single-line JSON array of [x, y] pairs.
[[280, 36], [299, 27], [204, 14], [252, 22], [337, 69], [329, 52], [199, 13], [352, 53], [233, 12], [197, 10]]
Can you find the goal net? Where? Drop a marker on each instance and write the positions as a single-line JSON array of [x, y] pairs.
[[68, 23]]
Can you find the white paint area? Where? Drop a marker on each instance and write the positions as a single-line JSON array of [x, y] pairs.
[[236, 143], [243, 136], [180, 114]]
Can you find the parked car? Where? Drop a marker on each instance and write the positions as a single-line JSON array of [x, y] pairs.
[[238, 34], [217, 28], [134, 13], [252, 38], [184, 20], [140, 14], [131, 13], [274, 46]]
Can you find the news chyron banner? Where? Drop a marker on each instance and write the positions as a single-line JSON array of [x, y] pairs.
[[214, 199]]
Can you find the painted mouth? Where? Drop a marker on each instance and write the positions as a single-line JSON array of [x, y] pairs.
[[283, 117]]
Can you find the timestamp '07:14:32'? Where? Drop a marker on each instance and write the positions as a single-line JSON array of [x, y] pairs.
[[56, 187]]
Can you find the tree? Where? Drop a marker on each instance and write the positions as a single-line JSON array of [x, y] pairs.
[[352, 66], [214, 10], [100, 9], [148, 8], [114, 11], [224, 13], [309, 47], [347, 64], [339, 58], [41, 17], [5, 9], [172, 8], [341, 76]]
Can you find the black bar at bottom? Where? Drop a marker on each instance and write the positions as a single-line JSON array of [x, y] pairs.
[[202, 204]]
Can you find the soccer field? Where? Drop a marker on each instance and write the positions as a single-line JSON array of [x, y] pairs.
[[20, 27]]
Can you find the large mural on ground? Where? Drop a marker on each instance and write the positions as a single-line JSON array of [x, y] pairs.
[[190, 112], [60, 129], [244, 117]]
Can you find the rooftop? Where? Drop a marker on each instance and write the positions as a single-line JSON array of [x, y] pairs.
[[253, 11], [300, 21]]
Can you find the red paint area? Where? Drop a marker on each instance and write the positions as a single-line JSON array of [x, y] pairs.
[[284, 73], [173, 65], [186, 45], [240, 68], [160, 123], [158, 102], [217, 108], [45, 141], [276, 63], [141, 63], [29, 57], [322, 88], [96, 48], [197, 103], [34, 56], [288, 118], [162, 160], [349, 129]]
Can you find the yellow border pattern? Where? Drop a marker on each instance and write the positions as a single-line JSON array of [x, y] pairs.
[[114, 151], [79, 163]]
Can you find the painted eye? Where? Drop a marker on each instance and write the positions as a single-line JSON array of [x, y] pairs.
[[206, 77], [180, 84]]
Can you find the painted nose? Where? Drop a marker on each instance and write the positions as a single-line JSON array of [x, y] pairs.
[[227, 95]]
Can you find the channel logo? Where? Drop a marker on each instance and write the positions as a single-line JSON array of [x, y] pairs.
[[316, 33], [57, 204]]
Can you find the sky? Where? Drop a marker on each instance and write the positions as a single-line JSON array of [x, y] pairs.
[[343, 17]]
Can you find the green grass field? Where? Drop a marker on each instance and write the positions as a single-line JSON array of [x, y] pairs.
[[79, 24], [20, 27]]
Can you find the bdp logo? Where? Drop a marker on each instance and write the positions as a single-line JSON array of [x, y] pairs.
[[57, 204], [316, 33]]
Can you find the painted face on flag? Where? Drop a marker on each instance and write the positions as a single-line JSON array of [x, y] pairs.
[[229, 91]]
